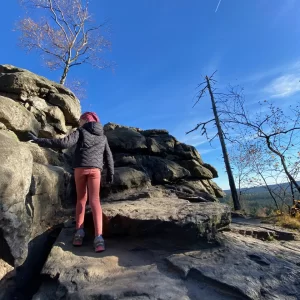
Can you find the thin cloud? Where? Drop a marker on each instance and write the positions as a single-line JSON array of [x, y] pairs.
[[292, 67], [218, 6], [284, 86], [195, 139], [208, 150]]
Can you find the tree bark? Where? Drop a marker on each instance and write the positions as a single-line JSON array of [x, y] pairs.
[[235, 198], [64, 75]]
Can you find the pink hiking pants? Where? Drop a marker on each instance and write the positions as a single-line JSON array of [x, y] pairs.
[[88, 184]]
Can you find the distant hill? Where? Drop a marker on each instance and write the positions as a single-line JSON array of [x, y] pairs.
[[262, 189], [256, 198]]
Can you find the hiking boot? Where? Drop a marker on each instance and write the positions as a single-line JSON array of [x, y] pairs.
[[99, 244], [78, 237]]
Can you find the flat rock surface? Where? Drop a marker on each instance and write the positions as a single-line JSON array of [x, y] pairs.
[[142, 215], [264, 231], [161, 267], [128, 269], [246, 266]]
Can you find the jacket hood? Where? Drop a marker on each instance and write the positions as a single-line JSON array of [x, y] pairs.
[[94, 128]]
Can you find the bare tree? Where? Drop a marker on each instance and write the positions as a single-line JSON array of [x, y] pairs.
[[270, 124], [259, 165], [204, 87], [64, 34]]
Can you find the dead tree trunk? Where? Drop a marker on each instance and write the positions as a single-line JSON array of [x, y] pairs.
[[235, 198]]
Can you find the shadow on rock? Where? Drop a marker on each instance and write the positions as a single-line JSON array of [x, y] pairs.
[[26, 278], [130, 267]]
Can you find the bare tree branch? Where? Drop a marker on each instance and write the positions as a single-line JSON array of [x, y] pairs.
[[56, 19], [65, 34], [202, 124]]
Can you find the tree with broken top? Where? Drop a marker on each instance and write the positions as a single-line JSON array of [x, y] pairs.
[[205, 87], [64, 34]]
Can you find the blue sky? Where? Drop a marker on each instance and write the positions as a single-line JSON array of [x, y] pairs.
[[162, 49]]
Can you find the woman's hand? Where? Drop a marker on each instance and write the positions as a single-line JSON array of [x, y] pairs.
[[32, 137], [110, 179]]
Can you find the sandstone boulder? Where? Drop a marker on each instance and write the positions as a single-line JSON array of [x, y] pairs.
[[153, 132], [153, 215], [47, 192], [16, 117], [32, 190], [126, 139], [127, 178], [27, 85], [196, 169], [161, 144], [217, 190], [123, 160], [51, 117], [212, 169], [15, 180], [161, 158], [161, 170], [207, 184], [187, 152], [7, 132], [45, 156]]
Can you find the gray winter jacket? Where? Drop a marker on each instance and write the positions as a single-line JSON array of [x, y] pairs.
[[92, 149]]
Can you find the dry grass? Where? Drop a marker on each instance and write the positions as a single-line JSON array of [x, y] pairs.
[[287, 221]]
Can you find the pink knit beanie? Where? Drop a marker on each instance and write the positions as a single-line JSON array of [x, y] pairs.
[[90, 117]]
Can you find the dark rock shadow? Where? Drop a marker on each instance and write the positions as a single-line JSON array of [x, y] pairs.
[[27, 280], [5, 252], [132, 252], [164, 241]]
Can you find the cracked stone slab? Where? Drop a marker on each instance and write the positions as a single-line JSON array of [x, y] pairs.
[[264, 232], [246, 266]]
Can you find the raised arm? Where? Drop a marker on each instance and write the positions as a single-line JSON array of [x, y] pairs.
[[64, 143]]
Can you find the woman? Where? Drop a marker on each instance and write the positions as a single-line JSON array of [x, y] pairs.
[[92, 150]]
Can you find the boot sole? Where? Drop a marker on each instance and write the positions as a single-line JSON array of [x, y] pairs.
[[99, 249]]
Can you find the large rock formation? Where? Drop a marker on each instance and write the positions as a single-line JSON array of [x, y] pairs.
[[37, 183], [34, 181], [142, 158], [158, 245], [154, 157], [15, 180], [152, 216]]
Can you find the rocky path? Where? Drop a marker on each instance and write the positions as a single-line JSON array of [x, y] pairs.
[[264, 231], [253, 268], [163, 267], [129, 269]]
